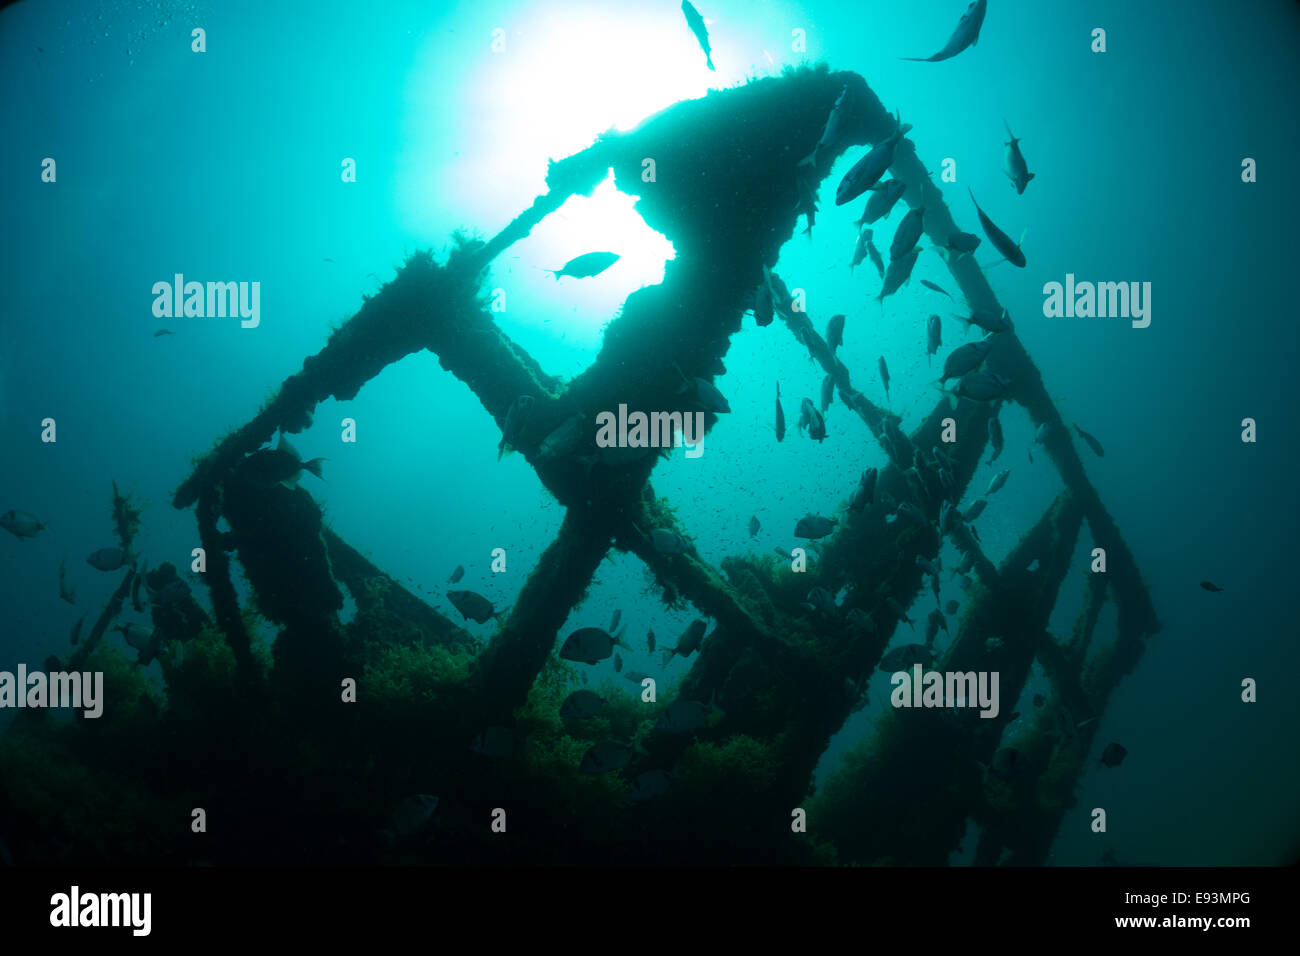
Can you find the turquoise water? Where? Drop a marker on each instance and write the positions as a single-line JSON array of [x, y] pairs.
[[225, 165]]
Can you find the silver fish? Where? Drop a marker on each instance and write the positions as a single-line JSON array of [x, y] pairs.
[[1001, 241], [414, 813], [899, 271], [975, 510], [582, 705], [884, 196], [988, 321], [907, 233], [472, 606], [812, 419], [874, 253], [588, 645], [966, 35], [109, 559], [982, 386], [648, 785], [963, 243], [606, 757], [1092, 442], [859, 249], [884, 375], [780, 415], [965, 359], [21, 524], [933, 336], [457, 574], [866, 172], [835, 332], [669, 542], [935, 287], [696, 23], [995, 438], [998, 481], [1017, 171], [516, 420], [833, 128], [814, 527], [828, 393], [585, 266]]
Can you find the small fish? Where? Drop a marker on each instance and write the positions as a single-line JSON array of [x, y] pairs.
[[899, 271], [933, 336], [965, 359], [832, 130], [457, 574], [828, 393], [1092, 442], [866, 172], [813, 527], [139, 587], [934, 287], [613, 621], [516, 421], [1001, 241], [859, 249], [874, 253], [884, 375], [583, 704], [76, 630], [981, 386], [414, 813], [109, 559], [281, 465], [951, 607], [812, 419], [868, 483], [669, 542], [998, 481], [1113, 755], [606, 757], [820, 599], [988, 321], [162, 332], [585, 266], [21, 524], [906, 656], [859, 499], [966, 35], [753, 532], [588, 645], [1210, 586], [689, 642], [884, 196], [963, 243], [835, 332], [907, 233], [780, 415], [66, 591], [648, 785], [1017, 170], [704, 394], [498, 742], [995, 438], [650, 640], [618, 663], [696, 23], [807, 202], [932, 624], [137, 635], [472, 606], [975, 510], [763, 308]]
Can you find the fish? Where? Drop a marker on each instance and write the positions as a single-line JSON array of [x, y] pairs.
[[689, 642], [995, 438], [782, 301], [998, 481], [66, 591], [76, 629], [137, 636], [585, 266], [982, 386], [606, 757], [583, 704], [753, 532], [965, 358], [684, 717], [858, 500], [866, 172], [1113, 755], [109, 559], [669, 542], [812, 419], [1041, 434], [951, 607], [835, 332], [828, 393], [1001, 241], [874, 253], [884, 196], [907, 233], [704, 394], [932, 625], [763, 308], [618, 662], [859, 249], [413, 813], [472, 606], [613, 621], [975, 510], [696, 23], [648, 785], [934, 287], [899, 271], [1017, 171], [963, 243], [650, 640], [161, 332], [966, 35], [1092, 442], [281, 465], [589, 645], [988, 321], [807, 203], [780, 415], [820, 599], [457, 574], [933, 336], [21, 524], [832, 130], [494, 742], [516, 421], [906, 656], [884, 375], [139, 589], [1211, 586], [813, 527]]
